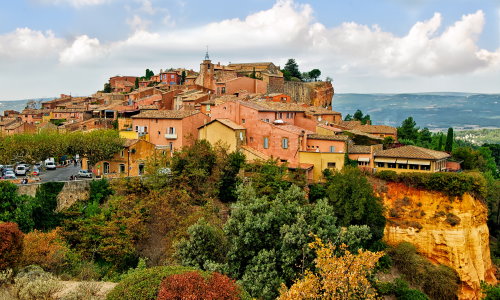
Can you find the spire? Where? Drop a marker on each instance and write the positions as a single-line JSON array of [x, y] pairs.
[[206, 55]]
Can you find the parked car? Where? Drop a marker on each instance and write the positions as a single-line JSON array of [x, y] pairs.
[[35, 172], [85, 174], [7, 168], [50, 165], [9, 175], [20, 170]]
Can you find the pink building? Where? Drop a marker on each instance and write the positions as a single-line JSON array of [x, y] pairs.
[[235, 85], [169, 128], [31, 116], [170, 78]]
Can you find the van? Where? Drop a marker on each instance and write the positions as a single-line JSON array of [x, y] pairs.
[[50, 165], [20, 170]]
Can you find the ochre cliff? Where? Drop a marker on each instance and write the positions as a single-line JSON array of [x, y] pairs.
[[449, 231], [313, 93]]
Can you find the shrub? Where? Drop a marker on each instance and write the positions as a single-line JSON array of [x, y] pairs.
[[85, 291], [143, 284], [47, 250], [5, 277], [11, 245], [387, 175], [192, 285], [34, 283], [491, 292], [438, 282], [452, 219]]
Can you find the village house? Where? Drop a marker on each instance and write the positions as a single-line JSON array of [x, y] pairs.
[[169, 129], [364, 155], [122, 83], [411, 159], [19, 127], [31, 116], [189, 100], [236, 85], [223, 131], [130, 161], [278, 97], [169, 77]]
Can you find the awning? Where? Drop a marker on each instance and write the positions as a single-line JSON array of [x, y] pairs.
[[419, 162], [402, 161], [385, 160], [365, 159]]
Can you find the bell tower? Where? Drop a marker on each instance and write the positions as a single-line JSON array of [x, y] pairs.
[[206, 78]]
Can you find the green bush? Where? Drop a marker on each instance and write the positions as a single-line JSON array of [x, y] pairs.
[[451, 184], [143, 284], [491, 292], [438, 282]]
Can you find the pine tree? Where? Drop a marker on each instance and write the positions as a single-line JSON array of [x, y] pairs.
[[293, 68], [440, 145]]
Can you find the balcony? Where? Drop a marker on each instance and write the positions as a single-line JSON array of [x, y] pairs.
[[171, 136]]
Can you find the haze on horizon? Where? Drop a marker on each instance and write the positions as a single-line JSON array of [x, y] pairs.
[[48, 47]]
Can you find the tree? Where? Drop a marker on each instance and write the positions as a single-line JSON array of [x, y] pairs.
[[268, 237], [314, 74], [149, 74], [408, 130], [329, 79], [306, 77], [107, 88], [207, 245], [339, 274], [425, 137], [348, 117], [293, 69], [192, 285], [229, 177], [11, 245], [440, 143], [48, 250], [448, 147], [136, 85], [183, 77], [353, 200]]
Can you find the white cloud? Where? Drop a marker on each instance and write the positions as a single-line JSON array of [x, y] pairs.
[[83, 49], [26, 43], [358, 56], [147, 7]]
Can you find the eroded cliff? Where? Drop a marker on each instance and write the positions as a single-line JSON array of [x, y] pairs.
[[446, 230], [313, 93]]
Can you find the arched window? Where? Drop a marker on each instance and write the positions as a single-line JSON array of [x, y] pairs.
[[106, 168]]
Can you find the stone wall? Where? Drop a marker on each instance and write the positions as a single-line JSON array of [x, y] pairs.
[[72, 192], [446, 231], [313, 93]]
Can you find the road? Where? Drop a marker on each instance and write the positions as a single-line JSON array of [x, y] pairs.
[[59, 174]]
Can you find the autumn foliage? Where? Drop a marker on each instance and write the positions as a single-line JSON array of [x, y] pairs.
[[11, 245], [47, 250], [192, 285], [340, 275]]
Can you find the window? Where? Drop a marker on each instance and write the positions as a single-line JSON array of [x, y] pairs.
[[363, 163], [171, 130], [106, 168], [145, 128], [413, 167], [283, 160], [223, 90], [159, 132], [243, 121], [251, 139], [289, 115], [279, 115], [122, 154], [208, 107], [171, 146], [141, 169], [284, 143], [425, 168], [241, 136], [332, 148], [266, 143], [402, 166], [172, 76], [391, 165], [380, 164], [122, 168], [331, 165]]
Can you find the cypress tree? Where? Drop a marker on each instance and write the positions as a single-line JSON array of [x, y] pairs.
[[440, 144], [448, 147]]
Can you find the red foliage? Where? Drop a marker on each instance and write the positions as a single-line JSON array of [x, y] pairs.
[[11, 245], [192, 286]]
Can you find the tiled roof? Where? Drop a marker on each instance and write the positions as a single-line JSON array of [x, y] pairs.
[[6, 122], [328, 137], [230, 124], [377, 129], [369, 135], [165, 114], [321, 111], [13, 126], [273, 106], [358, 149], [255, 152], [129, 143], [412, 152], [334, 129], [251, 64], [293, 129]]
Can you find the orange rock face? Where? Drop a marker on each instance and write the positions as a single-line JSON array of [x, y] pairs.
[[449, 231], [321, 93]]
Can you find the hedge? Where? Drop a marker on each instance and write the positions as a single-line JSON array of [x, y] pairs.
[[451, 184]]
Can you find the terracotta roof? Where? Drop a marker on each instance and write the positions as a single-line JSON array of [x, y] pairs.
[[304, 166], [14, 126], [255, 152], [165, 114], [377, 129], [328, 137], [6, 121], [273, 106], [321, 111], [129, 143], [68, 110], [252, 64], [348, 124], [148, 107], [230, 124], [334, 129], [358, 149], [369, 135], [412, 152], [293, 129]]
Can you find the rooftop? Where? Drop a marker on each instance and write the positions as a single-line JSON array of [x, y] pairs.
[[165, 114], [412, 152], [358, 149], [226, 122], [328, 137]]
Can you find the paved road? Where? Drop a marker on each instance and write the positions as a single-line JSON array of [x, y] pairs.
[[59, 174]]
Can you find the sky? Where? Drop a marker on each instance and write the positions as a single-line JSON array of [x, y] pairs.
[[50, 47]]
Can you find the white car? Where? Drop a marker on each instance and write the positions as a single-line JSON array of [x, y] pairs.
[[20, 170], [84, 173], [9, 175], [50, 165]]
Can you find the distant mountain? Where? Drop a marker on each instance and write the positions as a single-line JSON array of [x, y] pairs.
[[17, 104], [437, 111]]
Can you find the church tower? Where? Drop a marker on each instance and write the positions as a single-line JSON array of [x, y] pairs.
[[206, 78]]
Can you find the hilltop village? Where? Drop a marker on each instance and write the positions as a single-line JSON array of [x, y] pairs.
[[249, 107]]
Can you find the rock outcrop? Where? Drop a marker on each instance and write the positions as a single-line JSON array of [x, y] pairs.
[[448, 231], [313, 93]]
